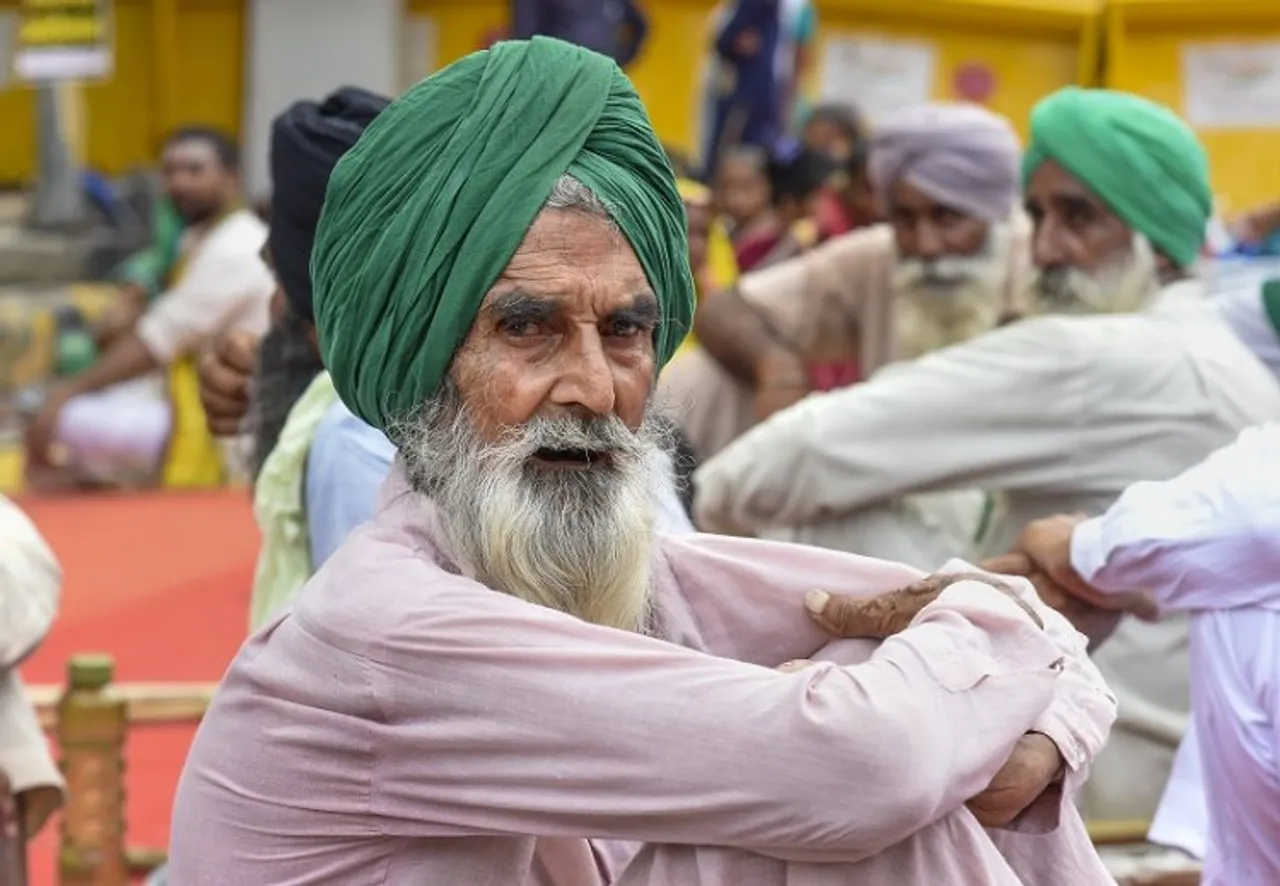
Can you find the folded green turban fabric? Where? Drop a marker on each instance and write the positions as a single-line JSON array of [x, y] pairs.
[[1137, 156], [425, 212]]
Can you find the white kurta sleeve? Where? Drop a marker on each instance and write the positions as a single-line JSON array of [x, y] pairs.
[[1207, 539], [30, 585], [999, 412]]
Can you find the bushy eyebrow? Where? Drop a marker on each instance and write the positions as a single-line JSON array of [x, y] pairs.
[[522, 307]]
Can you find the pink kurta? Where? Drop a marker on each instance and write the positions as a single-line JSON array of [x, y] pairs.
[[406, 725]]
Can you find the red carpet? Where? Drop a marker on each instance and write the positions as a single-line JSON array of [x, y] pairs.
[[161, 582]]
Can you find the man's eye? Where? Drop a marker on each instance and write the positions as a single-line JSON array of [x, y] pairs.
[[625, 328], [518, 328]]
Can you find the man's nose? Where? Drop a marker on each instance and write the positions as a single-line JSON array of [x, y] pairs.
[[586, 381], [1047, 247], [929, 245]]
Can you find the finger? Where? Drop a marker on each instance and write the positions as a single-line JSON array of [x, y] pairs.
[[840, 615], [1013, 563], [224, 427], [239, 352], [220, 405], [225, 378], [791, 667]]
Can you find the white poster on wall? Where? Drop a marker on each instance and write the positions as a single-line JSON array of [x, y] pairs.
[[1231, 85], [879, 76]]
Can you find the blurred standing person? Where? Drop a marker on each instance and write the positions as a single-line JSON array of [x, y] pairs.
[[122, 421], [744, 93], [616, 28], [799, 28]]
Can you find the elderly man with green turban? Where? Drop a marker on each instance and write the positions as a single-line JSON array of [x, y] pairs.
[[1139, 380], [508, 676]]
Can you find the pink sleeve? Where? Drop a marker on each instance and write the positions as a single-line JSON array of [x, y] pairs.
[[1079, 718], [748, 595], [497, 717]]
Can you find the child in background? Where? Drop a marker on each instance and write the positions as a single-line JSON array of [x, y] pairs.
[[770, 199]]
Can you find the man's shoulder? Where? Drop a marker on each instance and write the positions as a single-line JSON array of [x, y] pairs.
[[382, 576]]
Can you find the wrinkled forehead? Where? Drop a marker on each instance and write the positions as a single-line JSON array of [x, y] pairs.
[[1052, 186], [574, 261]]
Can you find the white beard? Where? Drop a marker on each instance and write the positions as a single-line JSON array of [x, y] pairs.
[[578, 540], [944, 302], [1121, 287]]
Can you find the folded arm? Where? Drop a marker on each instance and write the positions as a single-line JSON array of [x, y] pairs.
[[1207, 539], [534, 723], [1000, 412]]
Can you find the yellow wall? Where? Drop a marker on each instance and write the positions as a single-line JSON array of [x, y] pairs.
[[1031, 46], [1034, 46], [176, 62], [1144, 41]]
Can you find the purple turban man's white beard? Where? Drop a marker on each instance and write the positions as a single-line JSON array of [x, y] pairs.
[[945, 301], [579, 541], [1124, 286]]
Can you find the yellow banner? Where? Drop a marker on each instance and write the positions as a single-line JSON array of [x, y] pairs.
[[64, 39]]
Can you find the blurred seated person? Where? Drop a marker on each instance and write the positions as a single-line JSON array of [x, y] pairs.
[[952, 260], [142, 276], [133, 417], [31, 788], [770, 199]]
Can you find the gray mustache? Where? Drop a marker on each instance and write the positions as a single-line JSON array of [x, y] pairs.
[[585, 435]]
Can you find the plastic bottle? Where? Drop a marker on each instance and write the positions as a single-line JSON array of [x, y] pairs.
[[92, 723]]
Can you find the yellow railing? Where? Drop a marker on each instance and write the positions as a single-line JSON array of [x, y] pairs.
[[92, 851], [91, 718]]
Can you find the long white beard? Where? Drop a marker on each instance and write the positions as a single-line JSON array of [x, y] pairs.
[[1120, 287], [946, 301], [577, 541]]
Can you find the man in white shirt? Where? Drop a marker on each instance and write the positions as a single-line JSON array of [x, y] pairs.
[[1054, 414], [115, 419], [1206, 543]]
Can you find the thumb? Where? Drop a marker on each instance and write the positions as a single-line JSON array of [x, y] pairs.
[[841, 616]]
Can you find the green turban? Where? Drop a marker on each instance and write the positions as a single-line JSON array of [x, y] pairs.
[[424, 213], [1137, 156]]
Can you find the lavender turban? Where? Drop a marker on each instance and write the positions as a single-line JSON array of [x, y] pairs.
[[962, 156]]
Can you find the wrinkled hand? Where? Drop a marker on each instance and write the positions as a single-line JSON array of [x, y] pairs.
[[1096, 624], [1047, 543], [225, 373], [1031, 768], [887, 614]]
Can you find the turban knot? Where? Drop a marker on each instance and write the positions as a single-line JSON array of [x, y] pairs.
[[307, 141], [962, 156], [1137, 156], [425, 212]]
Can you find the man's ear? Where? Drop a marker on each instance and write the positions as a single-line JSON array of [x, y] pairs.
[[313, 336]]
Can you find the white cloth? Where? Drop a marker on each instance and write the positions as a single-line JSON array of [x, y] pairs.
[[1208, 543], [1052, 414], [1240, 304], [224, 285], [118, 434], [30, 588]]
